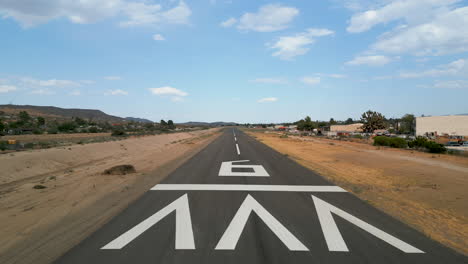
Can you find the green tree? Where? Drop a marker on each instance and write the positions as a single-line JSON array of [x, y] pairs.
[[163, 123], [40, 121], [407, 124], [2, 126], [67, 127], [372, 121], [332, 121], [170, 124], [24, 117], [305, 124], [349, 121], [80, 121]]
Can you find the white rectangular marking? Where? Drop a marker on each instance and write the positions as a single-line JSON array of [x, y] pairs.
[[237, 147], [247, 187], [235, 138]]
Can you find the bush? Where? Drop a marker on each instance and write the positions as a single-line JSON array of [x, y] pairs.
[[118, 133], [67, 127], [37, 131], [434, 147], [390, 142], [358, 136], [381, 141], [398, 143], [3, 145], [419, 142], [52, 130], [29, 145], [93, 130]]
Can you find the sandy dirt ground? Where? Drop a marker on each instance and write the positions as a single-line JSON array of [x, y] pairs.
[[38, 225], [47, 137], [426, 191]]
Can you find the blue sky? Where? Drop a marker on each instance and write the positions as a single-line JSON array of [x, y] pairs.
[[242, 61]]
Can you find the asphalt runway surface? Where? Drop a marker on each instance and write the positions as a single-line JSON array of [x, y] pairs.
[[239, 201]]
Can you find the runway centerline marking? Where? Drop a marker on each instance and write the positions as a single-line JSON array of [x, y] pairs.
[[237, 147], [247, 187]]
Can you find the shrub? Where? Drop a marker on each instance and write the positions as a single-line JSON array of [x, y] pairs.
[[381, 141], [37, 131], [419, 142], [118, 133], [43, 144], [284, 136], [434, 147], [39, 186], [358, 136], [29, 145], [67, 127], [3, 145], [93, 129], [391, 142], [398, 143], [52, 130]]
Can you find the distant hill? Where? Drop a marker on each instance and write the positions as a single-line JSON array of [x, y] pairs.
[[136, 119], [212, 124], [61, 113]]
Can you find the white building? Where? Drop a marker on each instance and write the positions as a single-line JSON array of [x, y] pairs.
[[453, 125]]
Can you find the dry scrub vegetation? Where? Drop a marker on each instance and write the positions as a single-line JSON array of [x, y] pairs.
[[426, 191]]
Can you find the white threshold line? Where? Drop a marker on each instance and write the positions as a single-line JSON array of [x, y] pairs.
[[237, 147], [247, 187]]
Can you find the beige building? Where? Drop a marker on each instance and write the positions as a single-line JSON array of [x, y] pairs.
[[456, 125], [347, 128]]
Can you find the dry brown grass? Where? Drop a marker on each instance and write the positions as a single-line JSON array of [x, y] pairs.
[[427, 191]]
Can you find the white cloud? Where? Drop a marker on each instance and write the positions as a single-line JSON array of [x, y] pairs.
[[7, 88], [269, 80], [267, 100], [452, 84], [310, 80], [410, 11], [373, 60], [289, 47], [455, 68], [426, 27], [229, 23], [447, 33], [269, 18], [167, 90], [34, 12], [158, 37], [49, 83], [141, 13], [116, 92], [42, 91], [112, 78]]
